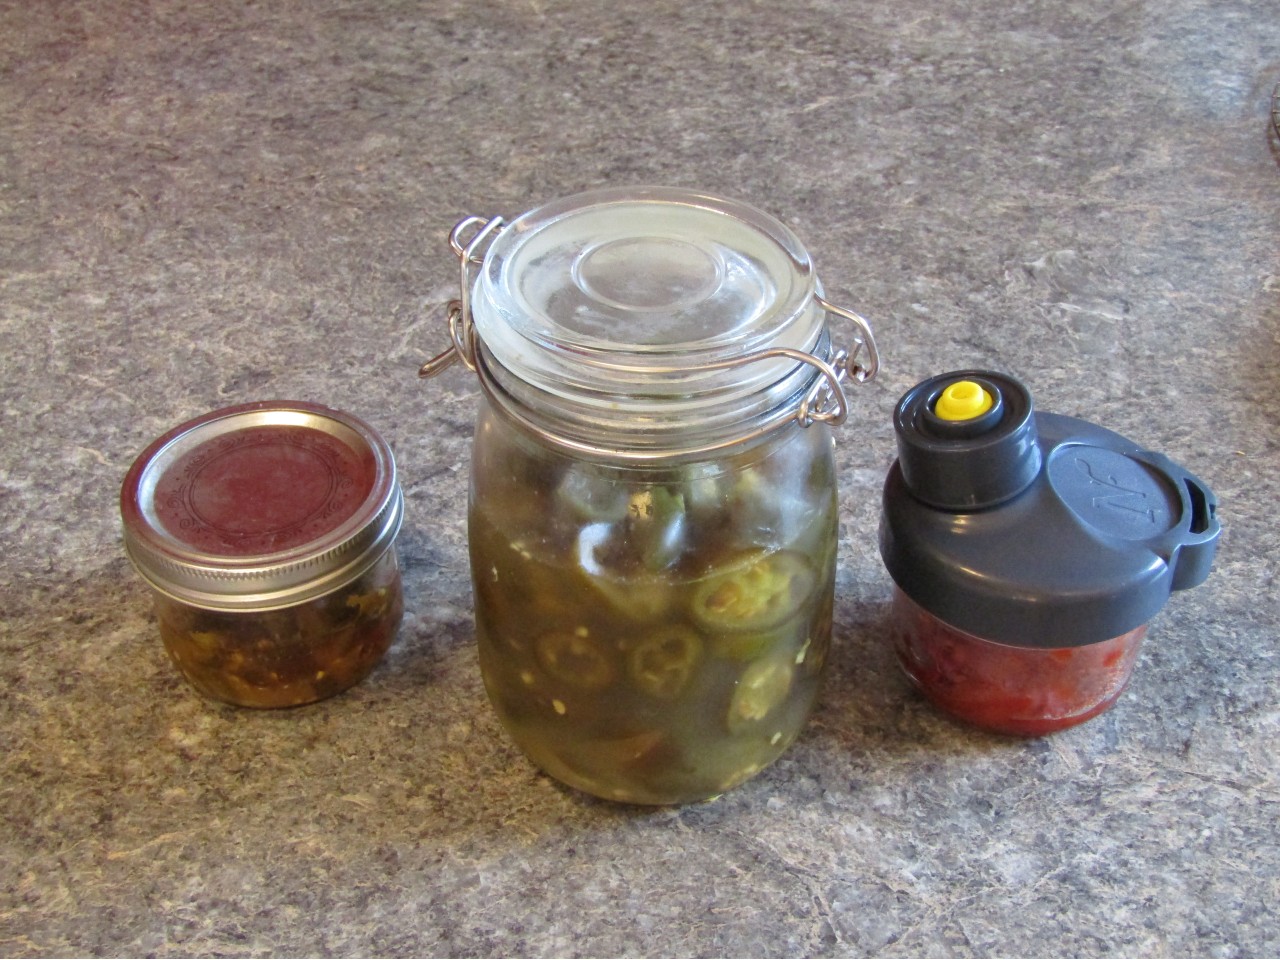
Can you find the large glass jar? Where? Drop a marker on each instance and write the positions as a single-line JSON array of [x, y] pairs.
[[652, 510]]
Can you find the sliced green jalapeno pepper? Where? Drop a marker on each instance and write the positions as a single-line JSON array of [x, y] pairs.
[[655, 528], [746, 645], [758, 594], [764, 685], [574, 658], [662, 663], [592, 497], [638, 596], [648, 537]]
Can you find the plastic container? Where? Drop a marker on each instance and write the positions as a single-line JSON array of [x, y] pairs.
[[1029, 552], [266, 532], [652, 504]]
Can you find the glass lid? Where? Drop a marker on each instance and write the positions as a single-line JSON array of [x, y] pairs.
[[634, 292]]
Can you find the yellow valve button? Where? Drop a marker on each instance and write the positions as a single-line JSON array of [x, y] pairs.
[[963, 400]]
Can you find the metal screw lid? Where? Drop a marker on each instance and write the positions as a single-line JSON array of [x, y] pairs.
[[261, 505]]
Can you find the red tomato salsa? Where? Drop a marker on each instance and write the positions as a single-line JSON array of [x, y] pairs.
[[1023, 691]]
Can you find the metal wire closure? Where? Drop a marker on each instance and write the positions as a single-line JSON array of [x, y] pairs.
[[461, 332], [825, 402]]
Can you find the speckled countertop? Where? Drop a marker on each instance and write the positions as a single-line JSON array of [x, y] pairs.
[[202, 204]]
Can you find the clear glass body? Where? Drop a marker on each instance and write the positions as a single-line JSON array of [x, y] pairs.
[[290, 656], [1022, 691], [652, 634]]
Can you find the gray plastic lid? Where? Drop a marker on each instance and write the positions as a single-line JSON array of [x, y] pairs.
[[1034, 529]]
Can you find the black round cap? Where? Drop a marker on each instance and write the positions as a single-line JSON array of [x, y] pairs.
[[972, 463]]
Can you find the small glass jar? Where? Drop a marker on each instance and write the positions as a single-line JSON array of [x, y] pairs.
[[266, 532], [1029, 552], [653, 502]]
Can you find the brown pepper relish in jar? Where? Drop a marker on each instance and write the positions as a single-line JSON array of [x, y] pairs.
[[266, 532]]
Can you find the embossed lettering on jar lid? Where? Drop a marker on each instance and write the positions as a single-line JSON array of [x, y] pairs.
[[261, 505]]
